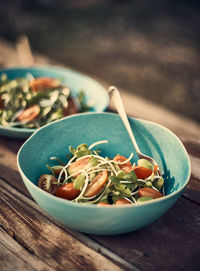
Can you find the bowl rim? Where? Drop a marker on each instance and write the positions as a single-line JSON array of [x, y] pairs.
[[52, 68], [90, 205]]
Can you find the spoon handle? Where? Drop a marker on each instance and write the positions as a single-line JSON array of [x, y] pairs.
[[116, 98]]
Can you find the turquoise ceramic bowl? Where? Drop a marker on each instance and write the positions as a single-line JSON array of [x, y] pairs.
[[154, 140], [76, 81]]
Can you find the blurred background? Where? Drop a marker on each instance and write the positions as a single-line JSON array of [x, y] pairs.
[[150, 48]]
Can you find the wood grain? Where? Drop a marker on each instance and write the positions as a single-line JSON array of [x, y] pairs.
[[43, 239], [144, 109], [171, 243], [15, 257]]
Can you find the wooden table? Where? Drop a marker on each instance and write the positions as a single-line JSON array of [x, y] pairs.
[[32, 240]]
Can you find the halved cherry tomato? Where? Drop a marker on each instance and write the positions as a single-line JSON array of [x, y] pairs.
[[29, 114], [67, 191], [149, 192], [142, 172], [78, 165], [42, 83], [71, 109], [122, 201], [127, 167], [47, 183], [97, 184], [155, 168], [103, 204]]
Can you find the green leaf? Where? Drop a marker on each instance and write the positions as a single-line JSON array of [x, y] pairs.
[[80, 151], [132, 186], [124, 190], [120, 174], [82, 147], [72, 150], [158, 183], [36, 98], [143, 199], [131, 176], [79, 181], [145, 163], [114, 179], [79, 154], [93, 162], [140, 183]]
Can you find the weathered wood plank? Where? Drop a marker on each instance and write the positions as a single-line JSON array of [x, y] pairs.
[[193, 147], [8, 163], [145, 109], [193, 190], [42, 238], [15, 257], [171, 243]]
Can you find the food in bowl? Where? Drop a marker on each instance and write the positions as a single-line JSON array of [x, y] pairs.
[[153, 139], [88, 177], [29, 102]]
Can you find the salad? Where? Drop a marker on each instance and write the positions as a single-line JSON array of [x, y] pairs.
[[30, 102], [88, 177]]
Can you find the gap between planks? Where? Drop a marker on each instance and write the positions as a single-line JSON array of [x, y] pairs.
[[13, 253], [116, 259]]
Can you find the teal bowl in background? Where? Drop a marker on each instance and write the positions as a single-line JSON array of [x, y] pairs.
[[154, 140], [76, 81]]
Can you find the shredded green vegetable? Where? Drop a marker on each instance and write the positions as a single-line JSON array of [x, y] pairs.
[[47, 105], [114, 179]]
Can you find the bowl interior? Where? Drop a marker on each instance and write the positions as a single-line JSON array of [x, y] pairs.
[[154, 140]]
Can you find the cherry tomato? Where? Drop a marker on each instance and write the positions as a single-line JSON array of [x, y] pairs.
[[67, 191], [127, 167], [156, 168], [71, 109], [122, 201], [43, 83], [142, 172], [78, 165], [97, 184], [29, 114], [149, 192], [103, 204], [47, 183]]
